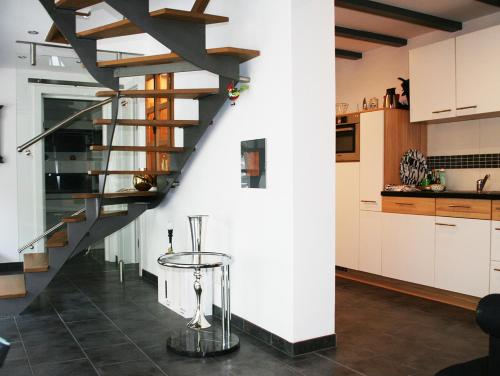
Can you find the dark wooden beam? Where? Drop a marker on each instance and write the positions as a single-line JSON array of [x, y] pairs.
[[368, 36], [495, 3], [349, 55], [200, 6], [400, 14]]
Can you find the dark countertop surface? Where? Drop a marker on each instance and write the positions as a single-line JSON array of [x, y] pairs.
[[486, 195]]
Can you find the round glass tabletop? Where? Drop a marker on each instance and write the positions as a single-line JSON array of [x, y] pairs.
[[194, 260]]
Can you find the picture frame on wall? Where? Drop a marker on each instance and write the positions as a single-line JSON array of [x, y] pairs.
[[253, 163]]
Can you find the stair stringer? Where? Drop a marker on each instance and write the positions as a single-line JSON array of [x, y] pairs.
[[86, 49], [186, 39]]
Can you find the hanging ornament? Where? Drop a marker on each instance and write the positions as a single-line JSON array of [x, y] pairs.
[[234, 92]]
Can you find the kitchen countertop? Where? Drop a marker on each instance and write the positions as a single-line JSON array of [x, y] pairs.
[[486, 195]]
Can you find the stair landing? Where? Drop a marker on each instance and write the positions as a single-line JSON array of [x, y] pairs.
[[12, 286]]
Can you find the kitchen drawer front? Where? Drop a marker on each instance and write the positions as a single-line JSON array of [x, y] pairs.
[[409, 205], [495, 210], [463, 208], [495, 278]]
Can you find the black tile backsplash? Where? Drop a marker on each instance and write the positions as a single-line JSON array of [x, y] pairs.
[[464, 161]]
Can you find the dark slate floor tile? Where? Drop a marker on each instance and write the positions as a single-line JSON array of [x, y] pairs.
[[132, 368], [80, 367], [115, 354], [81, 315], [16, 352], [91, 326], [314, 365], [64, 339], [8, 330], [19, 367], [98, 340], [54, 353]]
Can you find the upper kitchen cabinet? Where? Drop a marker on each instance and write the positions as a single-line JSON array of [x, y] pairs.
[[477, 72], [432, 80]]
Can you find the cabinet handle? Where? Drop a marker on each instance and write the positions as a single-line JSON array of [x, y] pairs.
[[497, 270], [466, 107], [369, 201], [404, 204], [445, 224], [459, 206], [349, 129], [497, 229], [441, 111]]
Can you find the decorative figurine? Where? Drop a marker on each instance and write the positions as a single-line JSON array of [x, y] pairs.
[[234, 92], [405, 85], [170, 231], [143, 183]]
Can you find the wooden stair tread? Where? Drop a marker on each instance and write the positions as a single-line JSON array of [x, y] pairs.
[[107, 214], [36, 262], [115, 194], [166, 93], [126, 27], [148, 123], [130, 172], [55, 36], [241, 53], [58, 240], [76, 4], [152, 149], [12, 286]]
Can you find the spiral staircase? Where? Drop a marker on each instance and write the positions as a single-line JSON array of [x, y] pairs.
[[183, 32]]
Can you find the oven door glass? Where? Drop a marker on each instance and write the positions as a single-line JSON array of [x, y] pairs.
[[346, 138]]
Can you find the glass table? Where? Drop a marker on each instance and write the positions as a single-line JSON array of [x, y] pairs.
[[200, 338]]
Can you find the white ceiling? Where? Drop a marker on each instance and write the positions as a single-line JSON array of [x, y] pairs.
[[456, 10]]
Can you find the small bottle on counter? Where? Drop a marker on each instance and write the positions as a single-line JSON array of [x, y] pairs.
[[442, 176]]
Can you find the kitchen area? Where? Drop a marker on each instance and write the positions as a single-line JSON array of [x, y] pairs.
[[418, 161]]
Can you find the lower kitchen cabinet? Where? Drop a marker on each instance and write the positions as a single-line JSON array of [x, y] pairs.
[[495, 277], [495, 240], [463, 255], [347, 215], [370, 242], [408, 247]]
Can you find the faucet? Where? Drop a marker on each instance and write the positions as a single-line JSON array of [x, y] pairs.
[[481, 183]]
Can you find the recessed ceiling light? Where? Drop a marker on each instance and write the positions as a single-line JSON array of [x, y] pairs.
[[33, 32], [78, 62], [21, 57]]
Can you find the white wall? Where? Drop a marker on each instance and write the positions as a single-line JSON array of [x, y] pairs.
[[281, 238], [8, 170]]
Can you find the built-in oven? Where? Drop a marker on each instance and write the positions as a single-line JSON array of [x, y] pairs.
[[347, 138]]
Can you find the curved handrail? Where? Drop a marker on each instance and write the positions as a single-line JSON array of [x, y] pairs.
[[61, 125]]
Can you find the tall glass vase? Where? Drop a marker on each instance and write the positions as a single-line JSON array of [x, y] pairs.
[[198, 226]]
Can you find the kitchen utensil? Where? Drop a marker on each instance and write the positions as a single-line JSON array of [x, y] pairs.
[[413, 167], [341, 108]]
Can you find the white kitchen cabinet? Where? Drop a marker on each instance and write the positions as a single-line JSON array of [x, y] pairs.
[[463, 255], [495, 277], [432, 79], [370, 242], [347, 215], [408, 247], [477, 72], [371, 167], [495, 241]]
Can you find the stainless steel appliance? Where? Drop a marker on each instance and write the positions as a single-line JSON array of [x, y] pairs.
[[347, 138]]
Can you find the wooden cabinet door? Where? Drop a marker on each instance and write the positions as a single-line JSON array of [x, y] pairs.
[[347, 215], [432, 81], [408, 247], [371, 168], [463, 255], [370, 242], [478, 72]]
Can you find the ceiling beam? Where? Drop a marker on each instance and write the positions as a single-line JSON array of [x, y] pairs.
[[491, 2], [200, 6], [368, 36], [400, 14], [349, 55]]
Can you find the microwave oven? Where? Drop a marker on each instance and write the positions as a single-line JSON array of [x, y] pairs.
[[347, 138]]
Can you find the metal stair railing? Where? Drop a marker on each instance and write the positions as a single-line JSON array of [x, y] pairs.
[[46, 233]]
